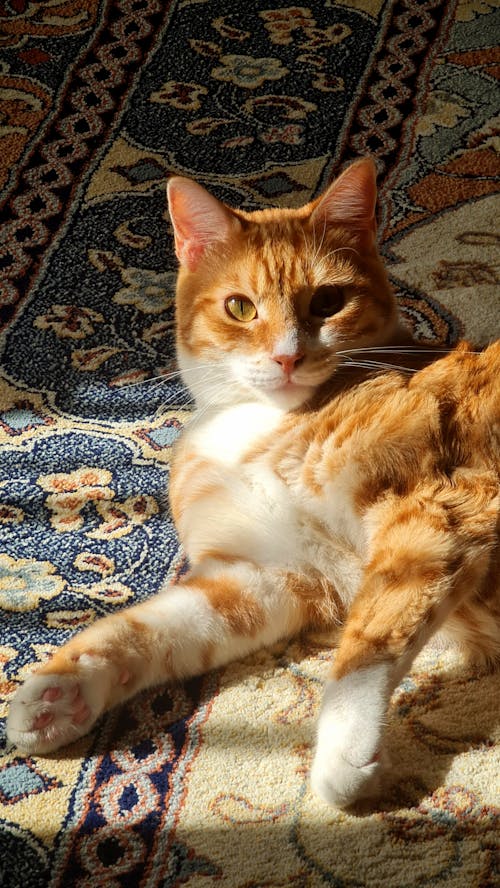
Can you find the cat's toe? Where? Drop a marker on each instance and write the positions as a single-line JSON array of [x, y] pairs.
[[340, 783], [50, 710]]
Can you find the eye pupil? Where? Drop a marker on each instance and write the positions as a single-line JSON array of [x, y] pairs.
[[326, 301], [240, 308]]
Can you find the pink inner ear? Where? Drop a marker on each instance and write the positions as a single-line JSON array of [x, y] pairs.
[[350, 200], [198, 218]]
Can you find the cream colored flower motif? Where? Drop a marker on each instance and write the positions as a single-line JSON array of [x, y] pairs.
[[95, 562], [323, 38], [329, 83], [157, 330], [289, 107], [7, 654], [7, 685], [90, 359], [70, 619], [70, 482], [248, 72], [237, 142], [291, 134], [69, 321], [24, 581], [10, 514], [120, 518], [467, 10], [69, 492], [202, 126], [178, 94], [443, 110], [113, 592], [150, 291], [464, 274], [281, 23], [226, 28]]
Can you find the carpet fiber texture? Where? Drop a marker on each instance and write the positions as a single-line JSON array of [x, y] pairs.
[[206, 783]]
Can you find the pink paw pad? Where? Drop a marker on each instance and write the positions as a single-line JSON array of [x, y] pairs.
[[51, 695], [42, 720], [81, 715], [81, 711]]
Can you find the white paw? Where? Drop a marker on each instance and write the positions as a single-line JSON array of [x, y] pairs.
[[50, 710], [348, 761], [339, 782]]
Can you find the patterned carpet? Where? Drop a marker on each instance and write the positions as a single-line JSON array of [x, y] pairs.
[[206, 783]]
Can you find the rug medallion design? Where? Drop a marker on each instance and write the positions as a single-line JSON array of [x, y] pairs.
[[206, 783]]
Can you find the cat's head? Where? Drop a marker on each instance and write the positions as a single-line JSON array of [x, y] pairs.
[[267, 300]]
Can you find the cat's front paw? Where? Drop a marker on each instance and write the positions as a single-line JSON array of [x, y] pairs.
[[349, 760], [50, 710], [341, 783]]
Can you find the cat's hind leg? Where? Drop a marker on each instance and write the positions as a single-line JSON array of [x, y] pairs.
[[217, 614], [420, 570]]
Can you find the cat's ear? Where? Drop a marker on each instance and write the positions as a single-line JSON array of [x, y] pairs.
[[198, 218], [350, 200]]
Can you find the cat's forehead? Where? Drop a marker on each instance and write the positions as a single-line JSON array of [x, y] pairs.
[[270, 267], [279, 255], [283, 257]]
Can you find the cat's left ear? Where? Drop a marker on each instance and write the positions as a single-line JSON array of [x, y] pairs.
[[198, 218], [350, 200]]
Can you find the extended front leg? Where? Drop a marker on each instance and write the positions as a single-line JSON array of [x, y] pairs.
[[418, 572], [219, 613]]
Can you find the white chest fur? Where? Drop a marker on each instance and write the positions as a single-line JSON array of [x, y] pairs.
[[226, 435], [249, 512]]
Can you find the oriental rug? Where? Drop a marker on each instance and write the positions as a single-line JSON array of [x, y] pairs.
[[101, 100]]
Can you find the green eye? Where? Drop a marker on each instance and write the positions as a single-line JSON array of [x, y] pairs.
[[241, 308], [326, 301]]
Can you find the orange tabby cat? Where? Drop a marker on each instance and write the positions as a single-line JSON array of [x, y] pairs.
[[308, 490]]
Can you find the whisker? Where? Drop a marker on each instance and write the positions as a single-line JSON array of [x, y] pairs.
[[180, 401], [377, 365], [214, 402], [156, 379], [165, 377], [403, 349], [161, 412], [214, 377]]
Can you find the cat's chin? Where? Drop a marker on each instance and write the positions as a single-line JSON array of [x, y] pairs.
[[290, 396]]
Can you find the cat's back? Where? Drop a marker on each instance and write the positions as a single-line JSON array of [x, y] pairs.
[[466, 387]]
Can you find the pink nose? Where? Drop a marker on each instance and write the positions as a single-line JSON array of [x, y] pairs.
[[288, 362]]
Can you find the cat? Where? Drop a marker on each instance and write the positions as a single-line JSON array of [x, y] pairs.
[[324, 480]]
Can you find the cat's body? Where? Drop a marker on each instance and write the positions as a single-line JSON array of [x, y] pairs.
[[311, 489]]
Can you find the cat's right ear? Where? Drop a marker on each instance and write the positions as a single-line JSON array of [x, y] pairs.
[[198, 218]]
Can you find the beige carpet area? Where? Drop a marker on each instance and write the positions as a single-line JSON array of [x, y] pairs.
[[206, 784]]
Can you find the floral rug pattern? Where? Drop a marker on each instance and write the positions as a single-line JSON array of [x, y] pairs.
[[206, 783]]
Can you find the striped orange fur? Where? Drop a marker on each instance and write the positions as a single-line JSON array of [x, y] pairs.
[[333, 472]]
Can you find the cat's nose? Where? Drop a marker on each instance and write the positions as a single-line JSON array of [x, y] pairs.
[[288, 362]]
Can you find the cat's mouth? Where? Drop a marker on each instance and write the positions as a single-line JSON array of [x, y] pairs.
[[287, 393], [286, 388], [280, 385], [302, 381]]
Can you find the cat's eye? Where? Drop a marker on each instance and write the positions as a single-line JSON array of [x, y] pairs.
[[326, 301], [241, 308]]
